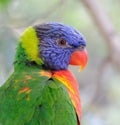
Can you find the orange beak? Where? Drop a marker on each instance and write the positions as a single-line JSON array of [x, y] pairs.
[[79, 58]]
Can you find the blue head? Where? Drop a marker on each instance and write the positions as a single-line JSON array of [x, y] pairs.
[[57, 43]]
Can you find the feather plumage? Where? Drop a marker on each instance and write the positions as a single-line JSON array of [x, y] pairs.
[[41, 91]]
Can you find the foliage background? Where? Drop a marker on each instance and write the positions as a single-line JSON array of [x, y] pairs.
[[100, 81]]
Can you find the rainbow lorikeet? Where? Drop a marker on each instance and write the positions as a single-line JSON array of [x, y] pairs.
[[41, 90]]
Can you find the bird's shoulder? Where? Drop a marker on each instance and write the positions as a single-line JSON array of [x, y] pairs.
[[27, 96], [20, 95]]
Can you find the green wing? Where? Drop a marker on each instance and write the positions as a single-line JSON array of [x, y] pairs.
[[30, 99]]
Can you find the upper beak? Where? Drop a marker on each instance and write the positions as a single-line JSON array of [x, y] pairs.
[[79, 58]]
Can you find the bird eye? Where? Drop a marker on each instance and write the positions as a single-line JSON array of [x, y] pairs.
[[62, 42]]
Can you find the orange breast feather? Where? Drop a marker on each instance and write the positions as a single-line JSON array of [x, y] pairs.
[[68, 79]]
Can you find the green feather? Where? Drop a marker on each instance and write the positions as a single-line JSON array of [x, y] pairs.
[[48, 102], [27, 98]]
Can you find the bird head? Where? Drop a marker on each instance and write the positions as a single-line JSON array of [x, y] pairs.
[[55, 45]]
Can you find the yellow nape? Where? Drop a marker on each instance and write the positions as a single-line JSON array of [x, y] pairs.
[[30, 44]]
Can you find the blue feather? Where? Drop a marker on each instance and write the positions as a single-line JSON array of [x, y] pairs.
[[57, 57]]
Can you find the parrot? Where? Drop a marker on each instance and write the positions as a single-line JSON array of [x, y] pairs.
[[42, 90]]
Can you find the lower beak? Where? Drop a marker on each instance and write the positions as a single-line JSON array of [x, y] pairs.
[[79, 58]]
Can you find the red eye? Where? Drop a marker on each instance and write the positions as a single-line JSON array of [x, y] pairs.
[[62, 42]]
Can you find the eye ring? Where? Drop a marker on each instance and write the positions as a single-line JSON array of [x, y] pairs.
[[62, 42]]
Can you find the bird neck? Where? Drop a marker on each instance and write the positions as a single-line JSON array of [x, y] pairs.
[[22, 61]]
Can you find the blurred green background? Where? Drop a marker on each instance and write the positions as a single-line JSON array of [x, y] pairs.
[[100, 82]]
